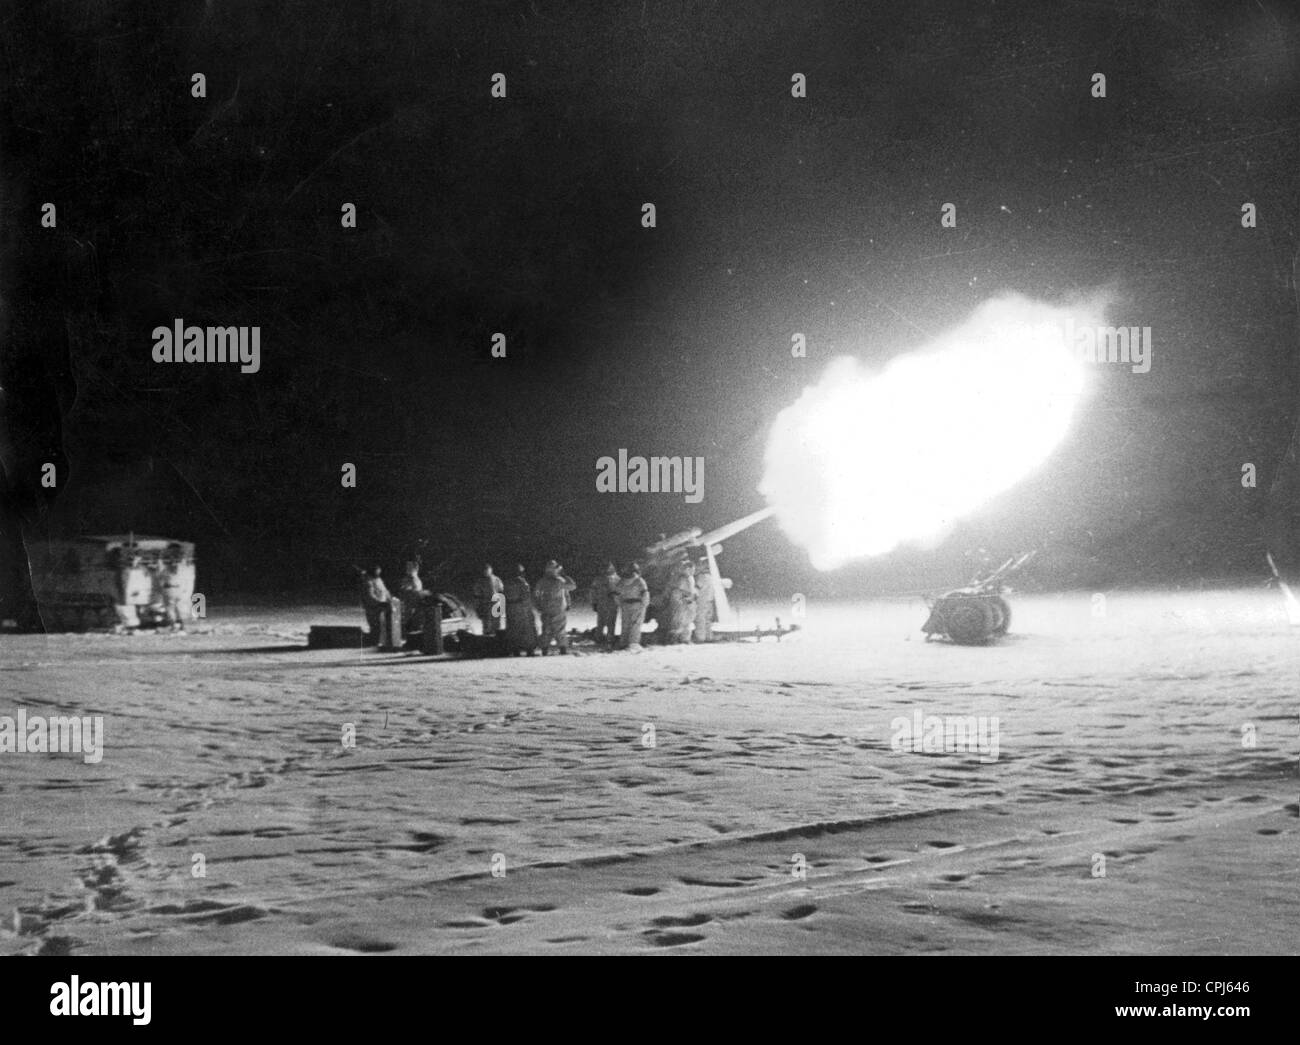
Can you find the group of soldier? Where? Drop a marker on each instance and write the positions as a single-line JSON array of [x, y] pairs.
[[509, 608], [620, 602], [377, 601], [159, 587], [506, 608]]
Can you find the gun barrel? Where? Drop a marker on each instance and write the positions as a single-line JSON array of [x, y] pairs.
[[731, 529], [685, 539]]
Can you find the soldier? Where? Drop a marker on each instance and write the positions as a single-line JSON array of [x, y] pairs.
[[127, 573], [377, 602], [633, 598], [669, 607], [412, 595], [487, 601], [172, 587], [704, 602], [552, 598], [681, 604], [604, 600], [521, 627]]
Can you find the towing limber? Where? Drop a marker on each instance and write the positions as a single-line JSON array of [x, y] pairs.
[[976, 614]]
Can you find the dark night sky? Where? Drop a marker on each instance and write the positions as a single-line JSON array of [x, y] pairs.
[[521, 215]]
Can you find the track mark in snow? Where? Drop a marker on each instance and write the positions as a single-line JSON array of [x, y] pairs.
[[688, 921], [666, 939]]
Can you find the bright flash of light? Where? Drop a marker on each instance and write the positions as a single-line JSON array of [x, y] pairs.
[[864, 462]]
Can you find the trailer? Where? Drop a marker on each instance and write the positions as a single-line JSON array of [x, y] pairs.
[[976, 614]]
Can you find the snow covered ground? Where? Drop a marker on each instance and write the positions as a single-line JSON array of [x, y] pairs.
[[1126, 811]]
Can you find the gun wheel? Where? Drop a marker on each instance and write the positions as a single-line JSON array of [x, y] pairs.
[[969, 621]]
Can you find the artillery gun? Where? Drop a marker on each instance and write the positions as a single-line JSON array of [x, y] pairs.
[[442, 607], [977, 613], [665, 557]]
